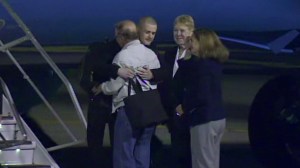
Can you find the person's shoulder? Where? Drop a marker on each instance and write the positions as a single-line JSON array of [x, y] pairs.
[[94, 46], [199, 61], [153, 46], [150, 52], [121, 56], [113, 44], [207, 65], [102, 45], [148, 49], [171, 49]]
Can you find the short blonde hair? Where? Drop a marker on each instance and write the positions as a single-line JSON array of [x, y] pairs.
[[186, 20], [147, 19], [210, 46]]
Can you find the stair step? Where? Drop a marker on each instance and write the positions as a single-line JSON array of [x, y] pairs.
[[13, 143], [7, 117], [7, 120], [26, 166], [9, 131], [18, 155]]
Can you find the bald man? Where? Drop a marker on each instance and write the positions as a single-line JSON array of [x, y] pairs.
[[131, 145]]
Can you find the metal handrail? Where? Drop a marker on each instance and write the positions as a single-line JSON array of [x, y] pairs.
[[13, 43], [43, 53], [26, 77], [13, 108], [47, 58]]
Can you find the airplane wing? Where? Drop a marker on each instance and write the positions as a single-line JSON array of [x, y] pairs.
[[281, 42], [276, 46]]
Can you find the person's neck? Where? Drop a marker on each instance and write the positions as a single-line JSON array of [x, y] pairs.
[[181, 49], [188, 55]]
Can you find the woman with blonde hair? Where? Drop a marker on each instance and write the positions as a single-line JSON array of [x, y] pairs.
[[201, 74], [183, 28]]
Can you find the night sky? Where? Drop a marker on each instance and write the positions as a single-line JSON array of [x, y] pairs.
[[77, 22]]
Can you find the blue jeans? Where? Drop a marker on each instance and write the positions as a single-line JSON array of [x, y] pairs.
[[131, 146]]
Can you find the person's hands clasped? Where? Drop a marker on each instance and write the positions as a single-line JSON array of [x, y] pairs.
[[179, 110], [125, 72], [145, 73], [96, 89]]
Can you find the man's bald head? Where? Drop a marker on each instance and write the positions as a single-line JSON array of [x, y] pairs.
[[127, 30]]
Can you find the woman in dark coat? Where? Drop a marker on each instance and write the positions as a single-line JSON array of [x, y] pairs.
[[201, 74]]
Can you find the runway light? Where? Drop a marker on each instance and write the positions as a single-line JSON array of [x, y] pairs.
[[0, 125], [17, 150]]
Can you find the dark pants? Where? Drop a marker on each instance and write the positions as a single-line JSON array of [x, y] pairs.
[[98, 116], [180, 142], [155, 151], [131, 146]]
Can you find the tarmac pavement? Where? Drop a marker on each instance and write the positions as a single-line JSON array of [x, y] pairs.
[[239, 90]]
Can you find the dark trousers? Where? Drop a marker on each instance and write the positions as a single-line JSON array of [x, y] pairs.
[[98, 116], [180, 141], [131, 146], [155, 151]]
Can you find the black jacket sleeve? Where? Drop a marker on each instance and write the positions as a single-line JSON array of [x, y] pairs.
[[86, 77], [104, 72], [160, 74], [96, 66], [105, 69]]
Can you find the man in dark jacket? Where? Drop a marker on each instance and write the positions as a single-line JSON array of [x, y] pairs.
[[96, 68]]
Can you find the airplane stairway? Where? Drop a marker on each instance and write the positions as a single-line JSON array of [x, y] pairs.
[[18, 144]]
